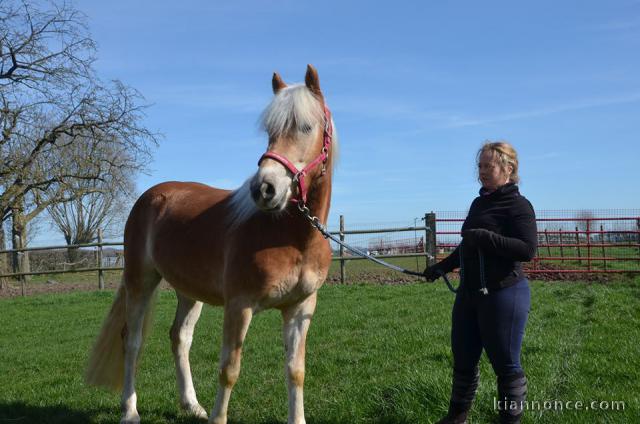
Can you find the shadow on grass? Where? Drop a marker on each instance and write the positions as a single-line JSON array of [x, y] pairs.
[[21, 413], [185, 419]]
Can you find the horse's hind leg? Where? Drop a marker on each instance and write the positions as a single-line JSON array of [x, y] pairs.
[[236, 323], [139, 292], [181, 333], [296, 320]]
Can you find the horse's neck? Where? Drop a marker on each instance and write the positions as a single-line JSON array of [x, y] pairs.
[[319, 197]]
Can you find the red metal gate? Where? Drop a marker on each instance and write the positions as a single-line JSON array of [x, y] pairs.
[[584, 241]]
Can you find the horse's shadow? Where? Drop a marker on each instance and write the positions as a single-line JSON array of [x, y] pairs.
[[22, 413]]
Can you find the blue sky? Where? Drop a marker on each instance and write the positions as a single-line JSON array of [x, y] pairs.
[[415, 87]]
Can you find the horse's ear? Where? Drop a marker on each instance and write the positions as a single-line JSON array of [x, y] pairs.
[[277, 83], [312, 81]]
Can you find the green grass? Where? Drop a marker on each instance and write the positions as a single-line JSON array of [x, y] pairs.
[[363, 271], [375, 354]]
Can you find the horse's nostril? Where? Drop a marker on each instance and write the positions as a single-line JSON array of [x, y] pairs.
[[268, 191]]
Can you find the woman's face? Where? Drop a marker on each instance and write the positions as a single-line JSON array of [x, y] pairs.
[[491, 173]]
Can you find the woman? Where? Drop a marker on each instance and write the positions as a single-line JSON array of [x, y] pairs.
[[492, 304]]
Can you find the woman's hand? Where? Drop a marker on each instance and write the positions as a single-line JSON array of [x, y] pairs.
[[432, 273]]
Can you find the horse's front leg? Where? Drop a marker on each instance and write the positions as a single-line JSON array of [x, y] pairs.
[[236, 323], [187, 315], [295, 326]]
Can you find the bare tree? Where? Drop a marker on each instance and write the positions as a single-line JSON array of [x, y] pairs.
[[51, 101], [584, 223], [99, 203]]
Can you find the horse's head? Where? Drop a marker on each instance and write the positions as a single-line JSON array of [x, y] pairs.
[[300, 131]]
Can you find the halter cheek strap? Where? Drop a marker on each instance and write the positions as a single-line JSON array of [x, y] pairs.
[[299, 175]]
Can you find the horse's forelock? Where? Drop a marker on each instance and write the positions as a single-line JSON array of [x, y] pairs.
[[292, 107]]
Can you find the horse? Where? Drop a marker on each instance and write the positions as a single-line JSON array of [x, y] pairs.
[[245, 250]]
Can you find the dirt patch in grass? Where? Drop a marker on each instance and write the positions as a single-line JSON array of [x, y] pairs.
[[549, 272], [13, 289], [375, 277]]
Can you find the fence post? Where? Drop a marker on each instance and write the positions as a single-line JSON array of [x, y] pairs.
[[589, 244], [342, 264], [99, 260], [604, 256], [638, 236], [578, 246], [561, 241], [546, 237], [430, 247]]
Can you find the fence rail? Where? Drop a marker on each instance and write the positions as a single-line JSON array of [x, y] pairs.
[[569, 244], [597, 241]]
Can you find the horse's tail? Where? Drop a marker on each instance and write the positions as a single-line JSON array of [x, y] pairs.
[[106, 362]]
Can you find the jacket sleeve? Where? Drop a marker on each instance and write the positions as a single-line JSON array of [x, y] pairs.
[[522, 243], [451, 262]]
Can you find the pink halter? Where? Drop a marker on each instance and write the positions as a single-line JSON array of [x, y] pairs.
[[299, 176]]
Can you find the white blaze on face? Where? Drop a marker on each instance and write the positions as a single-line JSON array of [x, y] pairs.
[[273, 185], [271, 188], [293, 122]]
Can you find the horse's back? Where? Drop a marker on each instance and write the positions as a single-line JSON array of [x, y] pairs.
[[177, 228]]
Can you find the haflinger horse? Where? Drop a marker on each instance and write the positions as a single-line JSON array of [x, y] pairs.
[[246, 250]]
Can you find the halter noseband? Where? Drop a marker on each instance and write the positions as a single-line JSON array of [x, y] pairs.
[[299, 175]]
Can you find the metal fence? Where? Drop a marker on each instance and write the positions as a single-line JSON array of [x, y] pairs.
[[569, 242]]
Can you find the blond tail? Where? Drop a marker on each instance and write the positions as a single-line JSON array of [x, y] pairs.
[[106, 363]]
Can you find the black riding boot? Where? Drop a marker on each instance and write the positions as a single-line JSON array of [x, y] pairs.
[[463, 390], [512, 393]]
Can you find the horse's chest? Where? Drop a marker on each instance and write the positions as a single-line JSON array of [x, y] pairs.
[[297, 285]]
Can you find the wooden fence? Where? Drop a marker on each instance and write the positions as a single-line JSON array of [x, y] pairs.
[[424, 247], [99, 268]]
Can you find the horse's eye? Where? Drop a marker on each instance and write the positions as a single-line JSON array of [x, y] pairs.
[[305, 128]]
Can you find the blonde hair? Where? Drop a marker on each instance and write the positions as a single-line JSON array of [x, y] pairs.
[[504, 154]]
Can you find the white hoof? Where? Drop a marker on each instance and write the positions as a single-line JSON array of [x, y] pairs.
[[130, 418], [196, 410], [218, 420]]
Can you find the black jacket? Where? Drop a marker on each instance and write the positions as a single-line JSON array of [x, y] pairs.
[[503, 227]]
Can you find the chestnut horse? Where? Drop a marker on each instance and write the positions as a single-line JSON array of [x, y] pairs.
[[246, 250]]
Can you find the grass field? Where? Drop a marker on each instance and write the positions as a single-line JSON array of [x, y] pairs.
[[376, 354]]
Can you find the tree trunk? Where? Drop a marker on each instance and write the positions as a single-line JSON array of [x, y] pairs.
[[4, 268], [20, 261], [72, 256]]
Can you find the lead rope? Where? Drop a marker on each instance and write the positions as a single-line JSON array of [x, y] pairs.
[[315, 222], [483, 281]]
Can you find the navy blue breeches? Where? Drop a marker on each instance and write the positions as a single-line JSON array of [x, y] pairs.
[[495, 322]]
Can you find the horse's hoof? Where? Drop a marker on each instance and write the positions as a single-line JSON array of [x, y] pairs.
[[218, 420], [196, 410], [132, 418]]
